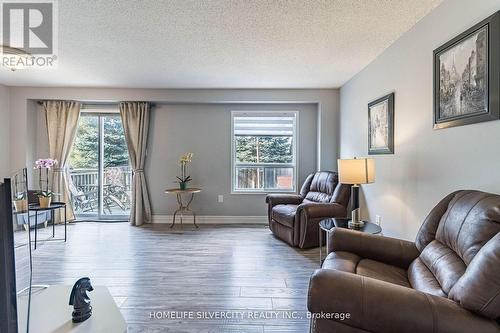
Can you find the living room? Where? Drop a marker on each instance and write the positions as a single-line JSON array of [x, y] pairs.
[[251, 166]]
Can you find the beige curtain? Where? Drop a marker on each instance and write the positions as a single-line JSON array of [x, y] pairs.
[[62, 123], [135, 120]]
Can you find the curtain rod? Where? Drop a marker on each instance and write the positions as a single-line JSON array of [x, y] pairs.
[[97, 103]]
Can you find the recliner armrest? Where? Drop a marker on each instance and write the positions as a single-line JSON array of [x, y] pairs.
[[391, 251], [283, 199], [317, 210], [381, 307]]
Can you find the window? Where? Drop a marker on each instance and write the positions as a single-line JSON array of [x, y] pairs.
[[264, 151]]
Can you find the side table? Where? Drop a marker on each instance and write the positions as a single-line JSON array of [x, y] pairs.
[[183, 207], [327, 225], [53, 206]]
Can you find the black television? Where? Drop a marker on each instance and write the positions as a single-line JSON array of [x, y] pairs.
[[8, 291], [15, 255]]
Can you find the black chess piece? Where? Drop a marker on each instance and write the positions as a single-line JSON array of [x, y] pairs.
[[82, 310]]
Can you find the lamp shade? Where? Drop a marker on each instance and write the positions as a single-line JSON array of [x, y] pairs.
[[356, 171]]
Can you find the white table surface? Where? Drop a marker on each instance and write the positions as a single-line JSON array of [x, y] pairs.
[[50, 312]]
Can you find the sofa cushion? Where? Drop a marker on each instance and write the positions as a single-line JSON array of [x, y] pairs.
[[422, 279], [341, 261], [428, 229], [314, 196], [380, 271], [479, 288], [462, 251], [352, 263], [322, 186], [471, 220], [446, 266], [284, 214]]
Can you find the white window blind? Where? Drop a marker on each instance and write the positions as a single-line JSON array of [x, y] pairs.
[[264, 125]]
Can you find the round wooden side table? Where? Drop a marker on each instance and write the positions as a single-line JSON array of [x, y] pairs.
[[183, 207]]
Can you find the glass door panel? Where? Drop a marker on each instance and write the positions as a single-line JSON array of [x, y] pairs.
[[84, 168], [116, 171], [100, 173]]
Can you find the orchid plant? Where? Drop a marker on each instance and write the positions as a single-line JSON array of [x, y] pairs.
[[183, 163], [44, 164]]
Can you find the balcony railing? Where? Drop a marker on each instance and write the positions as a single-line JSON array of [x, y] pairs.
[[253, 177], [116, 191]]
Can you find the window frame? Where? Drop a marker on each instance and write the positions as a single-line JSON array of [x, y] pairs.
[[295, 154]]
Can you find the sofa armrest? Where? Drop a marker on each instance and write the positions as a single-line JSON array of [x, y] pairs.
[[317, 210], [381, 307], [283, 199], [391, 251]]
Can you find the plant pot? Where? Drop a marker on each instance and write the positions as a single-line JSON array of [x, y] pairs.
[[21, 205], [45, 202], [183, 186]]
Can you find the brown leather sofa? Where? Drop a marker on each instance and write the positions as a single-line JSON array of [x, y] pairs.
[[295, 218], [448, 280]]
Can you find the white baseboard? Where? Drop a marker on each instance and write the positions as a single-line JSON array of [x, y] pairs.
[[211, 219]]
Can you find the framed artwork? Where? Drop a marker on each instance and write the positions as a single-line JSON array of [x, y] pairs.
[[381, 125], [467, 76]]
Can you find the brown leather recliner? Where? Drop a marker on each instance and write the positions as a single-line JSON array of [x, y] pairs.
[[295, 218], [447, 281]]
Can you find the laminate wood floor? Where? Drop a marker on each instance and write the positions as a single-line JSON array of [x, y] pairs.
[[221, 270]]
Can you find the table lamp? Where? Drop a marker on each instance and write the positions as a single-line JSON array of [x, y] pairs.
[[356, 171]]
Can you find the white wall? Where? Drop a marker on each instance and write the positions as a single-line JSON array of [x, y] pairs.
[[178, 120], [427, 163], [5, 130], [205, 130]]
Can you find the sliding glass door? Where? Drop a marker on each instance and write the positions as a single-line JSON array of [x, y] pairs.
[[100, 182]]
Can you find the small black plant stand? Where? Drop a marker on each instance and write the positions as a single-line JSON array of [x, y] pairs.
[[35, 207]]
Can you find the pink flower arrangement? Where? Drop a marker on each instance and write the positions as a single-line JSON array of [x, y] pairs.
[[45, 163]]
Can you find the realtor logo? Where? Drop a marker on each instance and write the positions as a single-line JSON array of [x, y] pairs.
[[29, 33], [28, 26]]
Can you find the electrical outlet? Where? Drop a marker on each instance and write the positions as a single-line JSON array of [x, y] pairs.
[[220, 198], [378, 219]]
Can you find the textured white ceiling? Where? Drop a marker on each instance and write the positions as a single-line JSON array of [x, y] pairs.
[[220, 43]]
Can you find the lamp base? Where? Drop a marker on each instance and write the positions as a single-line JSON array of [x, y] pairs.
[[355, 222], [355, 225]]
